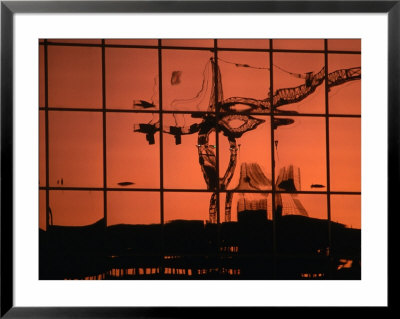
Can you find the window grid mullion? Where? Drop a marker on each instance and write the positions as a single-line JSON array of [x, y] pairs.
[[328, 182], [273, 213], [160, 98], [104, 120], [46, 114]]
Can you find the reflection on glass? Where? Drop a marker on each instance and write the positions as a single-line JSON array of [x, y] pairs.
[[133, 160], [246, 162], [42, 149], [306, 205], [41, 77], [76, 149], [188, 42], [75, 76], [132, 78], [299, 79], [345, 98], [244, 74], [247, 228], [300, 153], [242, 206], [132, 41], [186, 206], [187, 80], [299, 44], [344, 44], [302, 226], [346, 210], [76, 208], [182, 154], [346, 235], [187, 231], [244, 43], [42, 209], [345, 154], [135, 208]]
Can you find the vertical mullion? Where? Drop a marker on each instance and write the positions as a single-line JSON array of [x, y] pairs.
[[46, 116], [216, 128], [271, 79], [160, 118], [103, 66], [161, 132], [328, 183]]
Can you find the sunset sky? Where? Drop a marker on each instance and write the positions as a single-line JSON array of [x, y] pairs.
[[76, 138]]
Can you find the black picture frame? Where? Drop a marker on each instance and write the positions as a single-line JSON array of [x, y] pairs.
[[9, 8]]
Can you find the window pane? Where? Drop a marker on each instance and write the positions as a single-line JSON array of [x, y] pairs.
[[308, 206], [346, 236], [76, 149], [345, 154], [135, 208], [346, 210], [76, 208], [345, 98], [42, 149], [188, 42], [181, 161], [304, 72], [300, 153], [132, 78], [302, 223], [133, 158], [75, 76], [244, 74], [187, 80], [132, 41], [134, 231], [42, 209], [299, 44], [249, 233], [41, 77], [81, 41], [244, 43], [302, 236], [186, 206], [253, 155], [246, 207], [186, 230], [344, 44]]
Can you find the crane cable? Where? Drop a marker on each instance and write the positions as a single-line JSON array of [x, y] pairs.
[[245, 65]]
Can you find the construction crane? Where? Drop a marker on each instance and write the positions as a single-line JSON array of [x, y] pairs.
[[211, 123]]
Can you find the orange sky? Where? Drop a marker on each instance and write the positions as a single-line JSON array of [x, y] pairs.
[[76, 153]]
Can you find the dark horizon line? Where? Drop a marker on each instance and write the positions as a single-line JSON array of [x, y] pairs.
[[204, 221]]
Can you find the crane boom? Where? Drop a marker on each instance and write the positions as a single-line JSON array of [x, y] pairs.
[[294, 94]]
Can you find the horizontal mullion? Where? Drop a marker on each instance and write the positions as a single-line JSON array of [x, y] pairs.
[[314, 115], [63, 109], [69, 44], [197, 190], [171, 47]]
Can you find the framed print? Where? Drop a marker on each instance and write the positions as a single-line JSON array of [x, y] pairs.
[[164, 155]]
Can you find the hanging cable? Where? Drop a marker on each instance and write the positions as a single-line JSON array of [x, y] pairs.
[[154, 90], [198, 93], [244, 65]]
